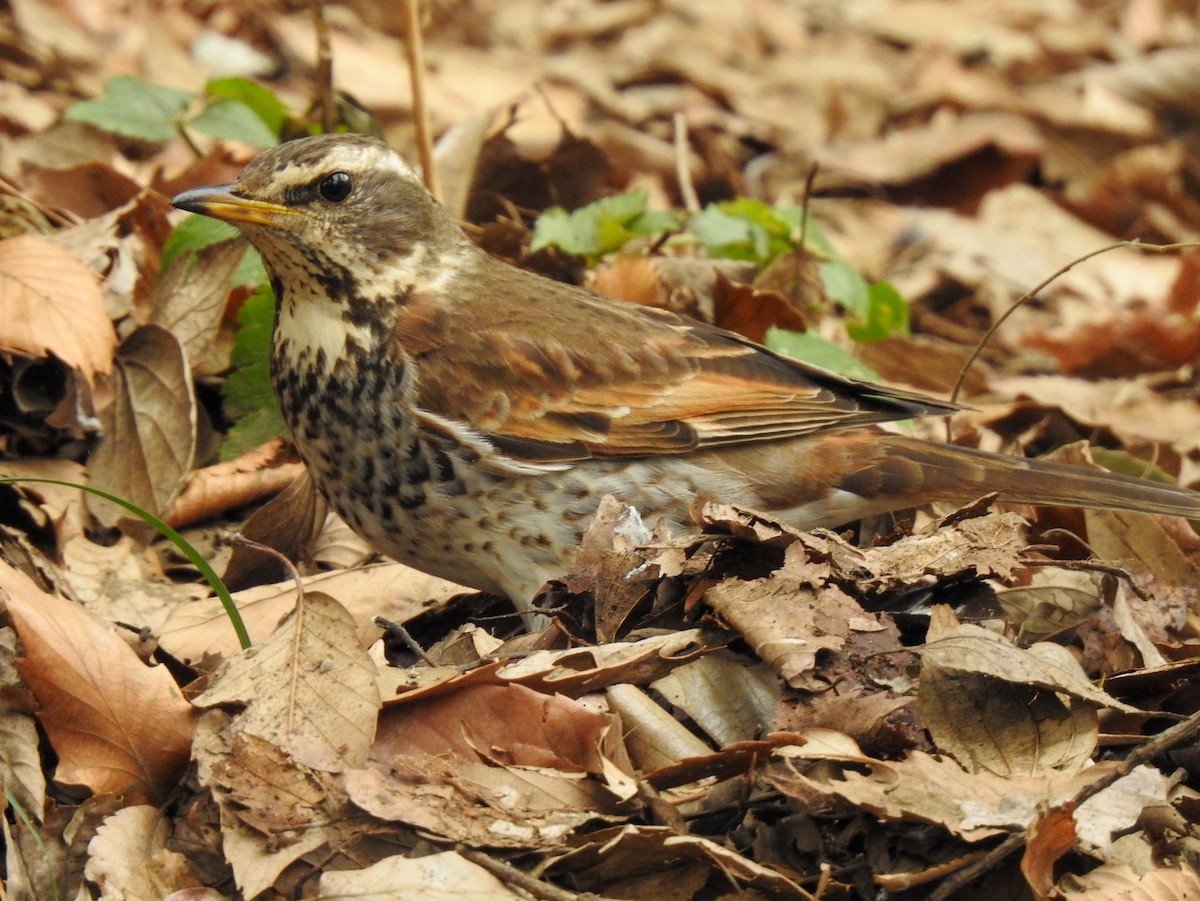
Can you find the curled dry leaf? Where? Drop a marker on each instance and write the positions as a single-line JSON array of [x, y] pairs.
[[50, 303]]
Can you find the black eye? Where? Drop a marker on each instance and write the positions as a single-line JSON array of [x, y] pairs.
[[335, 187]]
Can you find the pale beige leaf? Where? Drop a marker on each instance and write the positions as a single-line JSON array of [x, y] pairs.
[[51, 303], [729, 698], [390, 590], [116, 724], [262, 794], [149, 431], [655, 738], [973, 650], [21, 762], [310, 687], [923, 788], [128, 857], [436, 877], [1120, 883], [1117, 808], [1003, 727], [790, 616]]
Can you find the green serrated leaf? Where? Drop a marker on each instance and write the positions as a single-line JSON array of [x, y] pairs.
[[131, 107], [247, 391], [887, 315], [233, 120], [251, 431], [601, 227], [818, 351], [197, 232], [655, 222], [846, 287], [744, 229], [264, 102]]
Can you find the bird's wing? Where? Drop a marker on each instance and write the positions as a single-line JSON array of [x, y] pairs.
[[547, 373]]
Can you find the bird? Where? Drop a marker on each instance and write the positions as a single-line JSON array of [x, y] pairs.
[[466, 417]]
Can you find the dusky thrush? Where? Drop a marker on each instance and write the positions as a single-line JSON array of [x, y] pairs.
[[466, 417]]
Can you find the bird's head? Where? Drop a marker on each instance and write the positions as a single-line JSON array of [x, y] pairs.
[[340, 210]]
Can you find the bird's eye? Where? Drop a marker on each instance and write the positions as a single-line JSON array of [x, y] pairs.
[[335, 187]]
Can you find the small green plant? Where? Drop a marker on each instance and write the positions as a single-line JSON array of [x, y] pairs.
[[247, 391], [748, 230], [234, 108], [601, 227]]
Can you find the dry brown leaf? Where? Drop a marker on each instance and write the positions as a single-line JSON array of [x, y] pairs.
[[1138, 543], [273, 810], [149, 432], [1054, 600], [1050, 837], [632, 859], [309, 688], [390, 590], [730, 698], [436, 877], [655, 738], [190, 300], [123, 582], [790, 616], [222, 486], [996, 726], [51, 304], [923, 788], [970, 650], [117, 725], [20, 760]]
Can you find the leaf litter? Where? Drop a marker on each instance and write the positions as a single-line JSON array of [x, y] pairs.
[[961, 702]]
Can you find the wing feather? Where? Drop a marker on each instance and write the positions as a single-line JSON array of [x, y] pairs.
[[559, 374]]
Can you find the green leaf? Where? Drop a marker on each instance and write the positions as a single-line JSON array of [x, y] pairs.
[[247, 391], [846, 287], [234, 120], [197, 232], [135, 109], [746, 229], [817, 351], [601, 227], [264, 102], [887, 315]]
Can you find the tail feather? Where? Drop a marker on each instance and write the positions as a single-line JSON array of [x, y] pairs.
[[948, 472]]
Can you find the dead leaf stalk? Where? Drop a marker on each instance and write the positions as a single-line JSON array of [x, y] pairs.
[[415, 50]]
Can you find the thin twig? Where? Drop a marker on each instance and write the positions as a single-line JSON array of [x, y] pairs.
[[805, 202], [510, 875], [53, 215], [1033, 292], [1143, 753], [324, 76], [415, 48], [394, 628], [683, 168]]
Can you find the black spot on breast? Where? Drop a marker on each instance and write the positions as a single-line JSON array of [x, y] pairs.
[[277, 288], [444, 465]]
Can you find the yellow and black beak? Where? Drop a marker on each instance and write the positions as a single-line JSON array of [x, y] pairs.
[[219, 202]]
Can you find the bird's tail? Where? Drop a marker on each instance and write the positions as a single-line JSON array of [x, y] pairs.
[[949, 472]]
